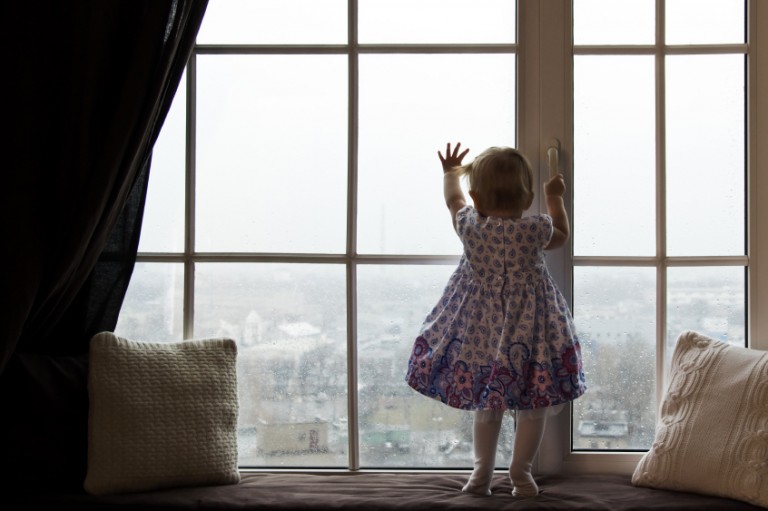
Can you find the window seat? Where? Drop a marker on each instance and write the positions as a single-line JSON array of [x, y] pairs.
[[372, 491]]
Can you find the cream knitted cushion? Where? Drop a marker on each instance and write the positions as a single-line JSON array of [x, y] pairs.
[[712, 433], [161, 414]]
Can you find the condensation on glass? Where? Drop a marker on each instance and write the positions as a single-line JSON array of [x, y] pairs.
[[708, 299], [289, 321], [615, 313]]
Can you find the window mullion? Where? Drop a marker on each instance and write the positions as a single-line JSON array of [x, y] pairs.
[[661, 200], [351, 250], [189, 202], [545, 107]]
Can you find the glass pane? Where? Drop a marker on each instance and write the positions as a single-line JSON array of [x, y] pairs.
[[705, 155], [162, 229], [274, 22], [705, 21], [271, 153], [410, 107], [708, 300], [153, 308], [436, 21], [398, 426], [615, 312], [289, 322], [614, 156], [614, 22]]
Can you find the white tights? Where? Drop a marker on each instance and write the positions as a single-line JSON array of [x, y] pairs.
[[485, 435]]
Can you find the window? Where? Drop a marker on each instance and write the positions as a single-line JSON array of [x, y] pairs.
[[659, 131], [295, 205]]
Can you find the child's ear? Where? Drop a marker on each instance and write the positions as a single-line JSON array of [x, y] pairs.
[[474, 198]]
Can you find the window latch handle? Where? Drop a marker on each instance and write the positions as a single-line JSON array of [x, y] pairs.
[[553, 157]]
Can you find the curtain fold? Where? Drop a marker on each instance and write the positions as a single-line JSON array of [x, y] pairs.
[[89, 84]]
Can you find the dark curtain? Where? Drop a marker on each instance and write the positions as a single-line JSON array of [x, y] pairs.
[[87, 87]]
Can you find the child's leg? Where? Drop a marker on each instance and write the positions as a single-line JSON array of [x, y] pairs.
[[530, 430], [485, 435]]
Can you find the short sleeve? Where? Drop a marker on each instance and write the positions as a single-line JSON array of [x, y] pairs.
[[464, 217]]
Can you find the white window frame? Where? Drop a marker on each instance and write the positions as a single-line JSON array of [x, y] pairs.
[[545, 112]]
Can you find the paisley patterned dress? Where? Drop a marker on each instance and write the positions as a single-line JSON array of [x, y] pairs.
[[502, 335]]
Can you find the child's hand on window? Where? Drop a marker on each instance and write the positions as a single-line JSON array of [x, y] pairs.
[[555, 187], [452, 160]]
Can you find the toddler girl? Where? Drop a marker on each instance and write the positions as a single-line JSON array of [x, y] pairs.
[[501, 337]]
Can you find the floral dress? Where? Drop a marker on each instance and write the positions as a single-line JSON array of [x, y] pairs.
[[502, 335]]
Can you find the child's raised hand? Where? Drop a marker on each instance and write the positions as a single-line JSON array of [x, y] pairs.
[[555, 186], [452, 159]]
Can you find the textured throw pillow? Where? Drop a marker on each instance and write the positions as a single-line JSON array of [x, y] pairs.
[[161, 414], [712, 434]]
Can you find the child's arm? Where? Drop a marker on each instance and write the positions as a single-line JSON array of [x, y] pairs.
[[553, 192], [454, 196]]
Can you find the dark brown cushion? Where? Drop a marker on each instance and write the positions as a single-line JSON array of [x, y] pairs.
[[369, 491]]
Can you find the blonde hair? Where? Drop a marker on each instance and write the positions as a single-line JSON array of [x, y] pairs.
[[501, 177]]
